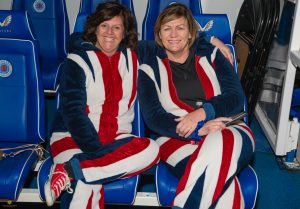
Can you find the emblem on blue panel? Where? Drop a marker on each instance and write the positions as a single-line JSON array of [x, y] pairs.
[[206, 27], [5, 68], [6, 21], [39, 6]]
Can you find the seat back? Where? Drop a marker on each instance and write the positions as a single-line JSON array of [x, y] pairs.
[[80, 22], [89, 6], [215, 25], [155, 7], [22, 100], [50, 24]]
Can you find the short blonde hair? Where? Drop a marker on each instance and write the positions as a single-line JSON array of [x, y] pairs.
[[173, 12]]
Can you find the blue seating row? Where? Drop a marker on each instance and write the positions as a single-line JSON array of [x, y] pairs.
[[22, 121], [21, 86]]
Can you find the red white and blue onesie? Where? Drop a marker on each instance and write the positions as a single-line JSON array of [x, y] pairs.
[[93, 125], [208, 169]]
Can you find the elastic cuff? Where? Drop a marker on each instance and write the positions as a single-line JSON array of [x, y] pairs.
[[195, 135], [75, 166], [209, 111]]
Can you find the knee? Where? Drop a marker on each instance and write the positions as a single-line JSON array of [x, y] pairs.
[[154, 147]]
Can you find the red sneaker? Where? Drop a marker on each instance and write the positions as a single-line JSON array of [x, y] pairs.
[[58, 181]]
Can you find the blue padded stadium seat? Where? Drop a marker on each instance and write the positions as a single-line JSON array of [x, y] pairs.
[[50, 24], [166, 182], [155, 7], [22, 103]]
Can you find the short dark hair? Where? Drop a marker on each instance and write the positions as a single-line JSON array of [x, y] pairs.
[[107, 11], [173, 12]]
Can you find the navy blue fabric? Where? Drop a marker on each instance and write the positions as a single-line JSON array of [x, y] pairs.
[[50, 26], [22, 101], [155, 7]]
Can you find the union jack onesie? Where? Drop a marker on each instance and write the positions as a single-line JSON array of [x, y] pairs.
[[207, 170], [93, 125]]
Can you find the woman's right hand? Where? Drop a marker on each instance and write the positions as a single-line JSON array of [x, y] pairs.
[[216, 124], [223, 48]]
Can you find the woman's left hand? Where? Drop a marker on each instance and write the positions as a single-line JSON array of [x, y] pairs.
[[187, 124], [216, 124], [227, 53]]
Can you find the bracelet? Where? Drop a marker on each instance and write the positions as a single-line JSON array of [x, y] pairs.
[[195, 135]]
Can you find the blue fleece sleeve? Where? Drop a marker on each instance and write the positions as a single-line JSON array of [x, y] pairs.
[[231, 99], [146, 49], [72, 92]]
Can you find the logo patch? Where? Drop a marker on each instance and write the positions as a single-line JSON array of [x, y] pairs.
[[39, 6], [6, 21], [5, 68], [207, 26]]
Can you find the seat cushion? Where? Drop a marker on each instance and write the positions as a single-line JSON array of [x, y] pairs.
[[118, 192], [14, 171]]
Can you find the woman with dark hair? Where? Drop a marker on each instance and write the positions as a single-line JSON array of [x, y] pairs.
[[91, 141], [187, 90]]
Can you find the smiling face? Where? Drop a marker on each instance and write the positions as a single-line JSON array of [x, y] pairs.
[[175, 37], [109, 35]]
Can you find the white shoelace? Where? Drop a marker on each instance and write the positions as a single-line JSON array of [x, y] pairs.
[[62, 184]]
